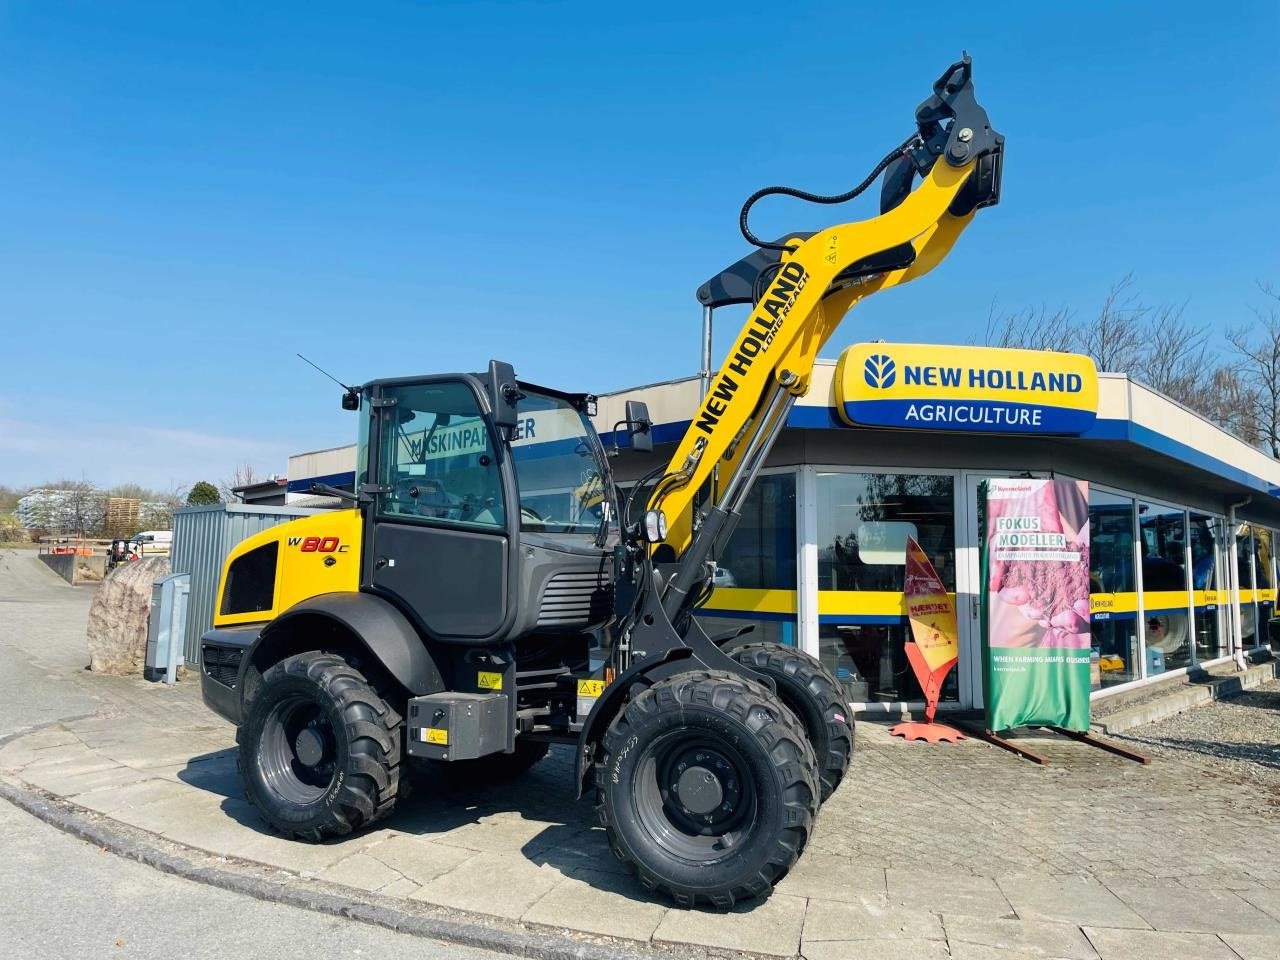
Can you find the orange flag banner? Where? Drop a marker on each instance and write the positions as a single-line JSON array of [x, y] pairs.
[[929, 607], [935, 644]]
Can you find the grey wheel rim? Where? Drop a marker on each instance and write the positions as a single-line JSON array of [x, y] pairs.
[[695, 796], [297, 753]]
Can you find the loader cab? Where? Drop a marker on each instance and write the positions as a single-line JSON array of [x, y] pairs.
[[485, 532]]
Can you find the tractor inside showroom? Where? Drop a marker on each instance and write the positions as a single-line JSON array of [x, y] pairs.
[[490, 592]]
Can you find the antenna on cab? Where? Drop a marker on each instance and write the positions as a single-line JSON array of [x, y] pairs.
[[350, 399]]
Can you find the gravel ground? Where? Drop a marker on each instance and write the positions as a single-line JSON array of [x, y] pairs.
[[1236, 738]]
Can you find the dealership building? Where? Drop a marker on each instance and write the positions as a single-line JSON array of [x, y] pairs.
[[897, 441]]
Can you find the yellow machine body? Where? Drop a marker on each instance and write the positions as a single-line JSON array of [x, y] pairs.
[[314, 555]]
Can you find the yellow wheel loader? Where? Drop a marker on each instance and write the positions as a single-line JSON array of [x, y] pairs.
[[490, 592]]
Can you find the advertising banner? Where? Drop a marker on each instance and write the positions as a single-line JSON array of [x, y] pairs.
[[1036, 634], [929, 608], [934, 645], [966, 389]]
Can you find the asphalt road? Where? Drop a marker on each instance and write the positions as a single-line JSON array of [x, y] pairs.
[[38, 666], [61, 897]]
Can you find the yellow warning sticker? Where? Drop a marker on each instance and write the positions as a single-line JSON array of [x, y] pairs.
[[489, 681], [590, 688], [436, 735]]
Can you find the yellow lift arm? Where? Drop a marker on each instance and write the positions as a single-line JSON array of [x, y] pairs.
[[814, 281]]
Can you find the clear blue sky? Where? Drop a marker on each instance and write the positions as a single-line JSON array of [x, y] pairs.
[[193, 192]]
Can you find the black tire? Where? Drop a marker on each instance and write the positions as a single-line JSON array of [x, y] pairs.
[[495, 768], [320, 749], [724, 741], [813, 695]]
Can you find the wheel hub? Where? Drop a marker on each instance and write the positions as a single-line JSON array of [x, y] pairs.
[[309, 747], [699, 790], [704, 789]]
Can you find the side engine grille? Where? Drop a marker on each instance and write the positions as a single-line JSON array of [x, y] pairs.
[[222, 663], [576, 598]]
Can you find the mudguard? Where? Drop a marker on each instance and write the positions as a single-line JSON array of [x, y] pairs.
[[377, 624]]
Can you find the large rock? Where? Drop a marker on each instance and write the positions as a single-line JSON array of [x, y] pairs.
[[118, 618]]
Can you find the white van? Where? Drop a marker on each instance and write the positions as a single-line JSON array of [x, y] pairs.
[[153, 543]]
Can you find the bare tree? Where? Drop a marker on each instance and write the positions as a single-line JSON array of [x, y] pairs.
[[1031, 328], [1177, 359], [243, 475], [1257, 350], [1114, 339]]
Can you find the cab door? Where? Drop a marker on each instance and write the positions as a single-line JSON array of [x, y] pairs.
[[440, 544]]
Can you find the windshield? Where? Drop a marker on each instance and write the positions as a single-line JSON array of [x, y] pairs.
[[560, 467]]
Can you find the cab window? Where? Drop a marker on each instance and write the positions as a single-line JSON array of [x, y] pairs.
[[437, 457]]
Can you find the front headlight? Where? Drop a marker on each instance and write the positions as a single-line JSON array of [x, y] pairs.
[[655, 526]]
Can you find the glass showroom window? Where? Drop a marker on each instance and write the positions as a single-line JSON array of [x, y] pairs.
[[1207, 535], [1265, 581], [1112, 590], [1165, 587], [864, 520], [760, 556], [1250, 634]]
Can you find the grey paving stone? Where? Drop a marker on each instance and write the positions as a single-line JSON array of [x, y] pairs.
[[66, 756], [603, 903], [505, 885], [418, 860], [1082, 902], [975, 937], [111, 800], [84, 778], [1176, 908], [401, 889], [772, 927], [823, 876], [507, 830], [362, 872], [875, 950], [1253, 946], [963, 895], [1266, 899], [27, 749], [1114, 944], [829, 920]]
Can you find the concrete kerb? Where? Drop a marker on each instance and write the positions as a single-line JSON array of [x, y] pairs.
[[317, 896]]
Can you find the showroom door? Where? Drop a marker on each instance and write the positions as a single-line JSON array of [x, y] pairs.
[[861, 522]]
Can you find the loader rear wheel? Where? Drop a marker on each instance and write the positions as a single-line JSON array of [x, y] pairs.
[[707, 787], [320, 750], [813, 695]]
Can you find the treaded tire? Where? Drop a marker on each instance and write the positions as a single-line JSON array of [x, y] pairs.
[[699, 714], [813, 695], [362, 734], [495, 768]]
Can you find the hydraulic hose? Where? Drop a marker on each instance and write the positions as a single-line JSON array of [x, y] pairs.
[[807, 197]]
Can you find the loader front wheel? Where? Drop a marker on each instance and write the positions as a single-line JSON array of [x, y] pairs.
[[816, 697], [320, 749], [707, 787]]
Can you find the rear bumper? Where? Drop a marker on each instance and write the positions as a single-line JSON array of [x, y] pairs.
[[223, 657]]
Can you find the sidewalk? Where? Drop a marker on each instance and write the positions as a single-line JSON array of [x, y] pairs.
[[959, 852]]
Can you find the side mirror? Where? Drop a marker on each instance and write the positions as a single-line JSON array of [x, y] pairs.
[[639, 426], [503, 394], [351, 400]]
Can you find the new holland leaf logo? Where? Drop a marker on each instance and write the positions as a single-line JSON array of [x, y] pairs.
[[879, 371]]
